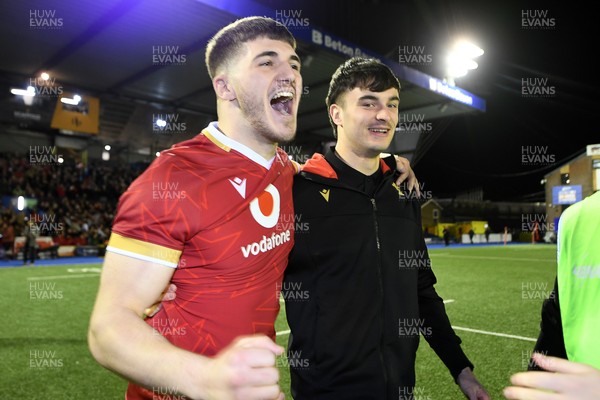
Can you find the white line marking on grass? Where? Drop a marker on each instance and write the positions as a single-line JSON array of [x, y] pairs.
[[92, 270], [494, 334], [41, 278], [448, 301], [460, 328], [500, 258]]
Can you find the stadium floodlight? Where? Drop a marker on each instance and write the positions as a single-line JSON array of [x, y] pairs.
[[45, 76], [27, 94], [74, 101], [460, 60], [20, 203], [467, 49], [30, 91], [161, 123]]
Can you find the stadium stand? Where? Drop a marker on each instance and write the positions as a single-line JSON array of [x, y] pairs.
[[74, 205]]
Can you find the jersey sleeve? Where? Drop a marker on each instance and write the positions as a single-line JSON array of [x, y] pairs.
[[152, 221]]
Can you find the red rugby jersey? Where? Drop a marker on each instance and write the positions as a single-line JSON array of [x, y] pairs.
[[220, 214]]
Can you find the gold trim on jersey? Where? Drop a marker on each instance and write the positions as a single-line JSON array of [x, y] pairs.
[[143, 250], [215, 141]]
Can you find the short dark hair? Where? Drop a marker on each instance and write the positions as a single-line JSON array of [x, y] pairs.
[[364, 73], [227, 43]]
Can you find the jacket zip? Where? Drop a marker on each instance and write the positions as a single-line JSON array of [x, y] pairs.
[[335, 183], [380, 279]]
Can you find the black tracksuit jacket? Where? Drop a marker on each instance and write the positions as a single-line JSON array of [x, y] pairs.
[[359, 289]]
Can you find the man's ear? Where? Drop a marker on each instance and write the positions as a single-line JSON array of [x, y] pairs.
[[223, 87], [336, 112]]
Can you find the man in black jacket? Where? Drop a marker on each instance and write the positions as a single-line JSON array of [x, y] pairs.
[[359, 286]]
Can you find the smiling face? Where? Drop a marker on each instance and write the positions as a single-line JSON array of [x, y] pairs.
[[366, 120], [266, 82]]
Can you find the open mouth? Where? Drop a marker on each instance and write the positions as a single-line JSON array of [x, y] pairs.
[[379, 131], [282, 102]]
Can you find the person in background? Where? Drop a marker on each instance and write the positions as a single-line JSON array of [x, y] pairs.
[[446, 234], [570, 318], [30, 248]]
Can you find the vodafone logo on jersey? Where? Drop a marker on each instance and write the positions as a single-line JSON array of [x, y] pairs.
[[265, 207], [265, 210]]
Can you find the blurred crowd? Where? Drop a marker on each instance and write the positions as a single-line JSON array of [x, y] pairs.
[[75, 204]]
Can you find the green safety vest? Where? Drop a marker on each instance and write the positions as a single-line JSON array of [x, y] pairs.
[[579, 279]]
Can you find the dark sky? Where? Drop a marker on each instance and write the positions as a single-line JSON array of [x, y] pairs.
[[553, 51]]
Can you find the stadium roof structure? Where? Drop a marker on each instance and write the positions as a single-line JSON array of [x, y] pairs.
[[145, 59]]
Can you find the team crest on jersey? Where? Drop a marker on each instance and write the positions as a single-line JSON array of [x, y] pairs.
[[265, 207]]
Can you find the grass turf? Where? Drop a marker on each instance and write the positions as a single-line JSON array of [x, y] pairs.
[[43, 349]]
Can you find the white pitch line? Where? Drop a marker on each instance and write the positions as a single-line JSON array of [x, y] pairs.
[[460, 328], [497, 258], [40, 278], [282, 301]]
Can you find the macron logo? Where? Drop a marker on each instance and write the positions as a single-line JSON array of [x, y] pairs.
[[239, 185]]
